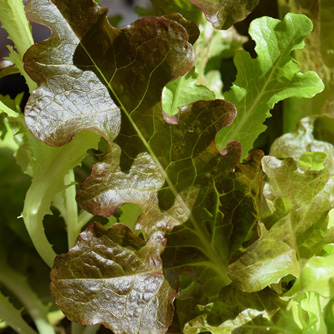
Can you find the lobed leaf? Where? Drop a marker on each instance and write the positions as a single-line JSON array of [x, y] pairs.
[[115, 278], [227, 209], [166, 182], [110, 81], [271, 77], [13, 317], [291, 235], [183, 91]]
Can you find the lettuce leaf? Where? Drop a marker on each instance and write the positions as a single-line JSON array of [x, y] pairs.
[[200, 206], [115, 278], [223, 13], [294, 223], [271, 77]]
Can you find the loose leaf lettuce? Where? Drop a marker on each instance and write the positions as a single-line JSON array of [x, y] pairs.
[[164, 164], [198, 199], [239, 312], [271, 77], [309, 137], [288, 236], [115, 278], [261, 313], [227, 208]]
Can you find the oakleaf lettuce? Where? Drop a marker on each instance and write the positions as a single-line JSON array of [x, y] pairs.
[[269, 78], [211, 227]]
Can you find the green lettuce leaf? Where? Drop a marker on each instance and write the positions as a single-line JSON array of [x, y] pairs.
[[115, 278], [224, 13], [227, 209], [313, 160], [307, 138], [13, 317], [318, 275], [299, 202], [315, 56], [13, 19], [183, 91], [238, 312], [271, 77]]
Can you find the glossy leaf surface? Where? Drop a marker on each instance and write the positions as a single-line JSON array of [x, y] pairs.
[[110, 81], [239, 312], [115, 278]]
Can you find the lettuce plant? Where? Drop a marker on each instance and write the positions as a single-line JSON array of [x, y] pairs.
[[145, 193]]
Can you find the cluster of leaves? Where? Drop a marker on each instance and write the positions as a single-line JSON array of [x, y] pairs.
[[198, 232]]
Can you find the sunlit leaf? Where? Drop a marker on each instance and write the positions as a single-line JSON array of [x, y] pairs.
[[271, 77]]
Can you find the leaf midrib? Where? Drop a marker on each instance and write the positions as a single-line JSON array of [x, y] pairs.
[[248, 112], [210, 252]]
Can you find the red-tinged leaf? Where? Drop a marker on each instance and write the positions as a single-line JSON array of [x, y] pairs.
[[227, 211], [115, 278], [165, 181], [224, 13], [133, 64]]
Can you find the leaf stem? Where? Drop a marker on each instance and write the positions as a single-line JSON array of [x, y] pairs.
[[13, 317], [71, 218], [33, 219], [17, 284], [84, 218]]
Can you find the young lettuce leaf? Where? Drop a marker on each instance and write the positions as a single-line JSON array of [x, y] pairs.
[[271, 77], [308, 137], [297, 229]]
